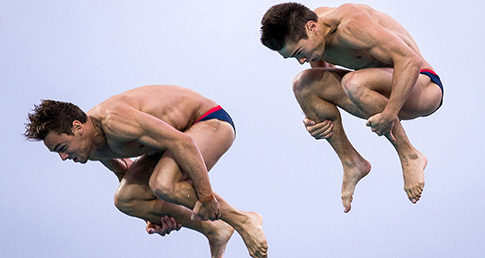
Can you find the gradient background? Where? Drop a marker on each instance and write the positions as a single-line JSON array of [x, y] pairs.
[[86, 51]]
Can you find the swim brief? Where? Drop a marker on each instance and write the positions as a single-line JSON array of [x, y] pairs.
[[436, 79], [217, 113]]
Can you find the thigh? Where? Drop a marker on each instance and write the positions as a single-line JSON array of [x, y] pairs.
[[423, 98], [142, 168], [319, 90], [134, 184], [212, 137]]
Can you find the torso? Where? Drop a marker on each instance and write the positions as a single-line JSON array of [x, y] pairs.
[[339, 54], [177, 106]]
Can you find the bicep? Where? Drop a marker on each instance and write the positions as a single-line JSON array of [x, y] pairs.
[[361, 31], [130, 124]]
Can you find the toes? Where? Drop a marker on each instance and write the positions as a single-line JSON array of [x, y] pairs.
[[260, 252], [410, 195], [346, 200], [414, 193]]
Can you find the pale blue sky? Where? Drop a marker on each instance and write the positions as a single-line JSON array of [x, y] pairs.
[[86, 51]]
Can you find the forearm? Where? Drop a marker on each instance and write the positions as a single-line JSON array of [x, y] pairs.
[[404, 78], [190, 160], [321, 64], [118, 166]]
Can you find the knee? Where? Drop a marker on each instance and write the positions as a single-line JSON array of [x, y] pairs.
[[124, 201], [303, 80], [161, 188], [353, 84]]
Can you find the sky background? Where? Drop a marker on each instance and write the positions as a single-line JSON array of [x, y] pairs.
[[86, 51]]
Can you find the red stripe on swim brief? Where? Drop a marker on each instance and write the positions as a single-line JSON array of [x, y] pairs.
[[429, 71], [212, 110]]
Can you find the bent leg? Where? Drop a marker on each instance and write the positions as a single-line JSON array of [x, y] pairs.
[[369, 89], [213, 138], [318, 91], [135, 198]]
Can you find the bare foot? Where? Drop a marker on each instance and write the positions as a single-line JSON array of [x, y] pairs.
[[413, 172], [219, 234], [353, 173], [253, 235]]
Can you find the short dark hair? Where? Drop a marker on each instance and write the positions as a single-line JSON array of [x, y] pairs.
[[285, 22], [52, 116]]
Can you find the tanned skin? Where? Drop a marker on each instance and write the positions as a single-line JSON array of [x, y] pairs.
[[157, 125], [384, 87]]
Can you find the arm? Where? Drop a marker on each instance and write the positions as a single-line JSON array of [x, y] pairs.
[[360, 31], [117, 166], [125, 123], [322, 64]]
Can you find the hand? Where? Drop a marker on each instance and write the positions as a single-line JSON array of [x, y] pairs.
[[168, 224], [382, 124], [207, 210], [322, 130]]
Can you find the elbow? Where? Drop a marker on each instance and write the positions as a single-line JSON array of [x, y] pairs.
[[183, 144], [414, 62], [418, 62]]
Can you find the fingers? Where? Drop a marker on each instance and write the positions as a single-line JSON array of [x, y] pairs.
[[216, 216], [168, 224], [165, 228], [308, 122], [194, 216], [150, 228], [391, 137], [381, 129], [322, 130], [206, 211], [173, 225]]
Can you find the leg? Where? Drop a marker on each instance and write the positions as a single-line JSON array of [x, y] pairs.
[[369, 89], [213, 138], [135, 198], [318, 92]]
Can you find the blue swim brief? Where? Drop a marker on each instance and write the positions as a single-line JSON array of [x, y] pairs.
[[436, 79], [219, 114]]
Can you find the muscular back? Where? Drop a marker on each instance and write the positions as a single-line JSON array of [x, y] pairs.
[[177, 106], [174, 106], [352, 49]]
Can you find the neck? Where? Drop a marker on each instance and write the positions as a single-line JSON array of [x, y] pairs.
[[99, 138]]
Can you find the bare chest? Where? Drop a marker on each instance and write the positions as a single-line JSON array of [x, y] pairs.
[[115, 149], [350, 58]]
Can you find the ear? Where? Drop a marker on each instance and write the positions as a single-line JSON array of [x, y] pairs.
[[311, 26], [77, 127]]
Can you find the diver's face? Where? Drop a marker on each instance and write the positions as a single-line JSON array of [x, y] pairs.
[[308, 49], [74, 147]]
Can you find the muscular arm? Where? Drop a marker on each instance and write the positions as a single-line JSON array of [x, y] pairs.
[[359, 30], [322, 64], [125, 123], [117, 166]]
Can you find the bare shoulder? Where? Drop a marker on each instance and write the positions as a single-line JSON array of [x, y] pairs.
[[116, 104], [342, 14], [323, 10], [355, 21], [353, 13], [117, 116], [349, 9]]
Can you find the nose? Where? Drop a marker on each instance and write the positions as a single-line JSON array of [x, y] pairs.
[[63, 156], [302, 60]]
